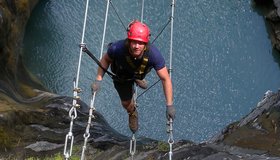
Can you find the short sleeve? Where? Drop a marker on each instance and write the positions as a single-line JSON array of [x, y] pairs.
[[157, 59]]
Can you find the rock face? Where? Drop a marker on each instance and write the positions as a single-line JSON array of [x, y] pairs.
[[34, 122], [271, 11], [258, 130], [15, 81], [31, 131]]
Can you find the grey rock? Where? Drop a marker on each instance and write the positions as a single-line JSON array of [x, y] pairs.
[[43, 146]]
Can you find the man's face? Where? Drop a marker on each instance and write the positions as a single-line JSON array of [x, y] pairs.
[[136, 48]]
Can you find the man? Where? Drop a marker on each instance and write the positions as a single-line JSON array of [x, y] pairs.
[[130, 60]]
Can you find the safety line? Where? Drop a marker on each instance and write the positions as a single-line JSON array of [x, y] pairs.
[[112, 75], [118, 15], [161, 30]]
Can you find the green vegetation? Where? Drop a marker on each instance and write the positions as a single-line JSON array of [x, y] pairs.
[[57, 156], [5, 140], [163, 146]]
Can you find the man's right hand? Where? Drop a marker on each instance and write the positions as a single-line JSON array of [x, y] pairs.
[[96, 85], [170, 112]]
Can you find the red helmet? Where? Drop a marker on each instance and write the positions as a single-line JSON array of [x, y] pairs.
[[138, 31]]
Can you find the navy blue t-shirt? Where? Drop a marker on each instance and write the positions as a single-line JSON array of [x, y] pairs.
[[118, 52]]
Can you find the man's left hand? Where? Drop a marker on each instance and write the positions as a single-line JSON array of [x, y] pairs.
[[96, 85]]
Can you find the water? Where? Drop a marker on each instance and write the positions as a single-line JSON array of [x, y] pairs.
[[222, 60]]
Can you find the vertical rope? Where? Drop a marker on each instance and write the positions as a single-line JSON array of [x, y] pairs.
[[142, 11], [82, 42], [171, 36], [170, 121], [133, 139], [104, 28], [136, 88]]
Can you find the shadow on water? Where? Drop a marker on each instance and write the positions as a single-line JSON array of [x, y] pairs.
[[262, 9], [276, 56]]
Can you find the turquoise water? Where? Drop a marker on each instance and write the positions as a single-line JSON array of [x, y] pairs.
[[222, 60]]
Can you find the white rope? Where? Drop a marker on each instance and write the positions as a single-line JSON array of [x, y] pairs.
[[142, 11], [87, 133], [73, 112], [82, 43], [171, 35], [104, 29], [170, 122], [133, 140], [136, 88]]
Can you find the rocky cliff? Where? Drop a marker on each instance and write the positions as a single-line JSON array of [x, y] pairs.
[[34, 122], [15, 81], [271, 12]]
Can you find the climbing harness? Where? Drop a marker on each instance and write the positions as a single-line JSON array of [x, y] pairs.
[[140, 71], [69, 139]]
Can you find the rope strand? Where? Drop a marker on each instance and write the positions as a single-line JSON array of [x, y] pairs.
[[161, 30], [171, 36], [170, 121], [142, 11], [104, 28], [124, 26]]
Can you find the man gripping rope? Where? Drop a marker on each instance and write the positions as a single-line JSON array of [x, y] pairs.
[[130, 60]]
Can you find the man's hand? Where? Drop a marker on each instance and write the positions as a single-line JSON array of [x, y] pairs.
[[96, 86], [170, 112]]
